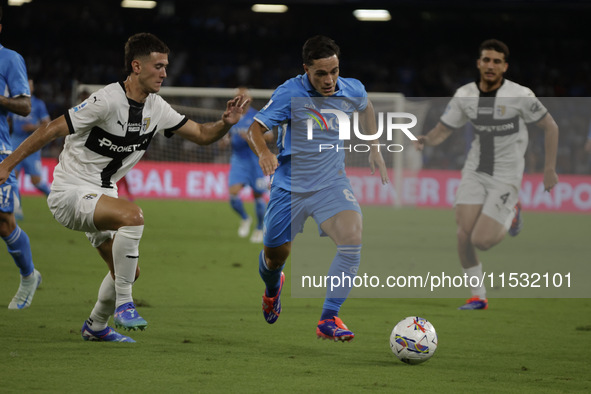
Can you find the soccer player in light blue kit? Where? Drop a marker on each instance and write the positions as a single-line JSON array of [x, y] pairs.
[[13, 80], [245, 171], [22, 127], [318, 187]]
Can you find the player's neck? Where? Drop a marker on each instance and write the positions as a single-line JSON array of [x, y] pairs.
[[133, 89], [489, 87]]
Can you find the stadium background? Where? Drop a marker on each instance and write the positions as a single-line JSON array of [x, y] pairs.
[[428, 49]]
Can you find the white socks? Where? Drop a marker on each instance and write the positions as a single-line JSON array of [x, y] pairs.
[[125, 257], [476, 271], [105, 305]]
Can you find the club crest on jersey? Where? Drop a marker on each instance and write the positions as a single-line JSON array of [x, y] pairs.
[[145, 124], [501, 109]]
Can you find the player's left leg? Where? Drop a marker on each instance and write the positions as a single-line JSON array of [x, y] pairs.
[[238, 207], [259, 207], [345, 230], [18, 245]]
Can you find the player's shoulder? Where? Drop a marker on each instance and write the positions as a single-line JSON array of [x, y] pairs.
[[7, 54], [351, 85], [513, 89], [468, 90]]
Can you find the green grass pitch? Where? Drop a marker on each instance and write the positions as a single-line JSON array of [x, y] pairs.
[[201, 293]]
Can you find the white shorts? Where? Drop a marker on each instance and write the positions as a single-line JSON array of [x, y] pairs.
[[74, 209], [497, 198]]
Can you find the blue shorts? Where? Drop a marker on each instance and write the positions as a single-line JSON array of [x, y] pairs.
[[8, 192], [31, 165], [287, 211], [248, 173]]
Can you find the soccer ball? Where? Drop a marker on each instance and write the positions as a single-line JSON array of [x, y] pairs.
[[413, 340]]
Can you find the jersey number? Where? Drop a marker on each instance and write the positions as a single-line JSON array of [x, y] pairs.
[[504, 197]]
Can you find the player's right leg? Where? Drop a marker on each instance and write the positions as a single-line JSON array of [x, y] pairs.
[[18, 245], [127, 220], [466, 217], [277, 246]]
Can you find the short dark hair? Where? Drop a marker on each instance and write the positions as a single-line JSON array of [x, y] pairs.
[[319, 47], [494, 45], [0, 13], [140, 45]]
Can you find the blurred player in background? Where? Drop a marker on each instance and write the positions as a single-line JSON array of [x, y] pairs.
[[14, 83], [22, 127], [245, 171], [487, 205], [106, 136], [327, 195]]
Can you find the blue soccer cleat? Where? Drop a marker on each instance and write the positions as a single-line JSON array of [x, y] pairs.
[[517, 222], [272, 305], [106, 335], [475, 303], [334, 329], [127, 317]]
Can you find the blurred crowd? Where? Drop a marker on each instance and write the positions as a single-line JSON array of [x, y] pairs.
[[424, 51]]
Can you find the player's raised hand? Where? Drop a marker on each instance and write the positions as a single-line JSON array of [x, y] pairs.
[[420, 142], [235, 109], [376, 159]]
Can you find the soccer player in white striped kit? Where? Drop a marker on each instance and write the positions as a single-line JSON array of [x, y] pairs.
[[106, 136], [487, 205]]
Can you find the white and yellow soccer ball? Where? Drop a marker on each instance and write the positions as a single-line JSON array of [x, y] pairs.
[[413, 340]]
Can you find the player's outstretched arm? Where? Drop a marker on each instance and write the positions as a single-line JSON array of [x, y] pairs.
[[434, 137], [43, 135], [208, 133], [367, 119], [550, 128], [257, 142]]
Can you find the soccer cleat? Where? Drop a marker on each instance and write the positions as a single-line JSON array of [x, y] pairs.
[[334, 329], [127, 317], [475, 303], [106, 335], [244, 227], [25, 293], [517, 222], [272, 305], [256, 237]]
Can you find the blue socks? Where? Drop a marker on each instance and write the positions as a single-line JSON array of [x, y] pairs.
[[43, 187], [260, 206], [238, 206], [19, 248], [272, 279], [344, 266]]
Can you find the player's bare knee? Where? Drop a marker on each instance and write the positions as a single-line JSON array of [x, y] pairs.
[[276, 257], [133, 217], [482, 243]]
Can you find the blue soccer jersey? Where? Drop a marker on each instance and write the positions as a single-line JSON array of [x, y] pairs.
[[13, 83], [38, 114], [302, 166], [240, 147]]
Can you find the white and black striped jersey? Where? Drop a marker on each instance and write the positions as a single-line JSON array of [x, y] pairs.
[[109, 133], [499, 121]]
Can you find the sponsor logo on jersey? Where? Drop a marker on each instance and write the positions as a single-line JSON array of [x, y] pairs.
[[109, 145]]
